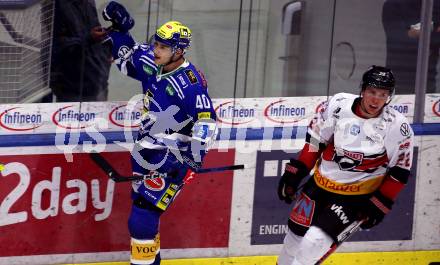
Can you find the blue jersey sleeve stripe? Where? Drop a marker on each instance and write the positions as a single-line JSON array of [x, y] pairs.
[[148, 63], [176, 88], [148, 59], [177, 85]]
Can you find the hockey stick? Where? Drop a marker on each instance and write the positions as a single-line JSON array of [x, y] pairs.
[[348, 232], [114, 175]]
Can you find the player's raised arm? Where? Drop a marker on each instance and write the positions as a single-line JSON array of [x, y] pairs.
[[132, 59]]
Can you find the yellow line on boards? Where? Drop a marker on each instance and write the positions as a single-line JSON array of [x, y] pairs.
[[364, 258]]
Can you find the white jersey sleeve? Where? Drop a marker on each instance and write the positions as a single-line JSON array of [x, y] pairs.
[[399, 144]]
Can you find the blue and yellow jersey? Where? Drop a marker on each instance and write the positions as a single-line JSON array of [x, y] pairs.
[[178, 113], [178, 103]]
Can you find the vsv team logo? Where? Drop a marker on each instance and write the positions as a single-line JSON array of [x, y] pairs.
[[20, 119]]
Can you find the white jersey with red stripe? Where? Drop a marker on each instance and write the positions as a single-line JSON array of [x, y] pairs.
[[358, 150]]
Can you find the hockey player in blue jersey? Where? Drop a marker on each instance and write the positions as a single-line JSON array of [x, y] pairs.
[[177, 126]]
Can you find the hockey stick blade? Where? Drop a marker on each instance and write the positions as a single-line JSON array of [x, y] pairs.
[[114, 175]]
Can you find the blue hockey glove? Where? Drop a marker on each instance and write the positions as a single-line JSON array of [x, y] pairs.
[[119, 16], [293, 174]]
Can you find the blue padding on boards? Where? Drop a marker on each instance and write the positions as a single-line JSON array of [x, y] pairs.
[[231, 134]]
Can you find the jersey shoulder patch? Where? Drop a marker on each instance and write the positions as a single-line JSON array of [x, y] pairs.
[[402, 123], [399, 127], [191, 76]]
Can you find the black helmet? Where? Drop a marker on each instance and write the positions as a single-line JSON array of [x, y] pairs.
[[380, 77]]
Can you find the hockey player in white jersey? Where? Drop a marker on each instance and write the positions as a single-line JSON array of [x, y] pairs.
[[177, 126], [360, 151]]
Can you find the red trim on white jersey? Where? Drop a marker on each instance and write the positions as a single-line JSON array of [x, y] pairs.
[[359, 149]]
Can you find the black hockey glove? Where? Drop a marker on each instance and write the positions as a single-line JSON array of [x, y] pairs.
[[293, 174], [375, 209], [119, 16]]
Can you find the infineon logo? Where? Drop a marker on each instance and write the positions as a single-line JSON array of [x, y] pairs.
[[436, 108], [18, 119], [234, 114], [280, 113], [123, 117], [68, 118]]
